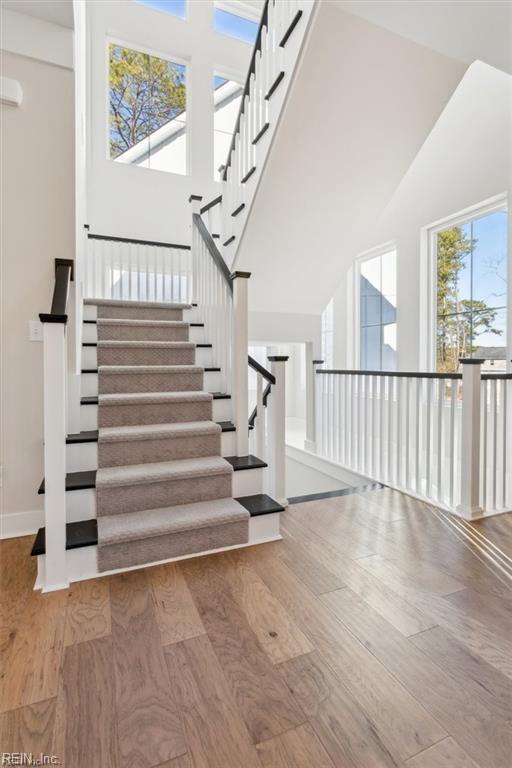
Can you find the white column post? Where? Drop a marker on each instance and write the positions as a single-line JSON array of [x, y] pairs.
[[260, 418], [240, 389], [195, 201], [469, 506], [277, 430], [311, 366], [54, 367]]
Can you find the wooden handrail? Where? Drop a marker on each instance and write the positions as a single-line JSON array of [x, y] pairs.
[[413, 374], [211, 204], [395, 374], [260, 369], [252, 69], [213, 250], [135, 241], [63, 276]]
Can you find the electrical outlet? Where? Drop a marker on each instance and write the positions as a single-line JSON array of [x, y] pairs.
[[35, 330]]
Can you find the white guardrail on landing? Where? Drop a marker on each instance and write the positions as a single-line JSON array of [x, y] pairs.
[[446, 438]]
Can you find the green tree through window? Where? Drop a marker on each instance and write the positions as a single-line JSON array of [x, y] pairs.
[[465, 272], [146, 92]]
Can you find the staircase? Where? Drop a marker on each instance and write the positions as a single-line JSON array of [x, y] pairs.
[[157, 467], [162, 487], [151, 476]]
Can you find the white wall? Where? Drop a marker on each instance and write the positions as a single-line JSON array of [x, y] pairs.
[[363, 102], [138, 202], [36, 39], [277, 327], [464, 161], [37, 160]]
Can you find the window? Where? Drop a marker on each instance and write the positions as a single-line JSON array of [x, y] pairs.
[[471, 291], [377, 311], [328, 335], [147, 103], [233, 25], [173, 7], [227, 95]]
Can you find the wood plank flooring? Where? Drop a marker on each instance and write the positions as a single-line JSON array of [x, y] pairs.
[[377, 634]]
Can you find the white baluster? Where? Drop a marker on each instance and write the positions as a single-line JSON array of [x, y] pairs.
[[311, 368], [277, 429], [240, 349]]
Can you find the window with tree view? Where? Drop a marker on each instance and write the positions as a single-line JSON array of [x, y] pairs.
[[472, 292], [147, 110]]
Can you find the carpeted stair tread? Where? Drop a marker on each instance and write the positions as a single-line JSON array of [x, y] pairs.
[[133, 526], [134, 304], [108, 321], [144, 369], [156, 431], [130, 344], [146, 398], [181, 469]]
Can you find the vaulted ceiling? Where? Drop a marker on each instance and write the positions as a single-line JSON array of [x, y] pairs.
[[363, 102], [466, 31]]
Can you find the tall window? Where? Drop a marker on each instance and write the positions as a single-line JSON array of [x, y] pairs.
[[471, 290], [173, 7], [147, 103], [377, 311], [227, 95], [234, 25], [328, 335]]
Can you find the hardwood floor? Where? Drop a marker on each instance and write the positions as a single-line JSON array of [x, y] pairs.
[[377, 634]]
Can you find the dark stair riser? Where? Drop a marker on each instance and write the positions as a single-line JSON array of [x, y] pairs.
[[76, 481], [84, 533]]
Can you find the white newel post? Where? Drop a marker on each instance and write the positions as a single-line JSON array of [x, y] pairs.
[[195, 201], [469, 506], [240, 390], [311, 366], [260, 418], [54, 368], [276, 405]]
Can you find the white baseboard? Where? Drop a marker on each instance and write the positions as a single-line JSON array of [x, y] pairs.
[[21, 523], [326, 466]]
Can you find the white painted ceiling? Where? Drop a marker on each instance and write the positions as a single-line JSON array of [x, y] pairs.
[[55, 11], [466, 30]]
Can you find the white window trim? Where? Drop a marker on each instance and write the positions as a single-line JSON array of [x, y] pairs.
[[172, 59], [328, 351], [355, 309], [428, 276], [239, 8]]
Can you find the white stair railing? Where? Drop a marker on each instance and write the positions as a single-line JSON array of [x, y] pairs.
[[276, 53], [496, 442], [137, 270], [444, 437]]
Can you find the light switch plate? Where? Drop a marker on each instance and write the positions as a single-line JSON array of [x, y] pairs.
[[35, 330]]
